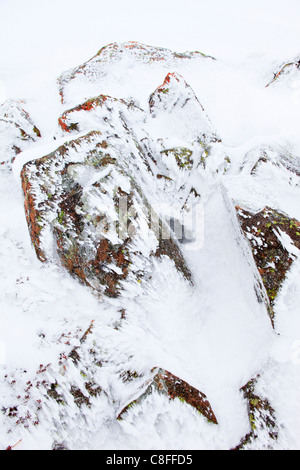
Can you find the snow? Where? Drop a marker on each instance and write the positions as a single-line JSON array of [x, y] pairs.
[[214, 335]]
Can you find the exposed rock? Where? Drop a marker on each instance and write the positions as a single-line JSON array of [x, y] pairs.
[[101, 109], [16, 131], [173, 387], [289, 68], [277, 157], [73, 390], [262, 417], [275, 241], [84, 195], [181, 155], [89, 204]]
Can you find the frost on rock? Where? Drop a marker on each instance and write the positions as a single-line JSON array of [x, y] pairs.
[[279, 158], [17, 130], [275, 242], [172, 387], [111, 58], [262, 417], [174, 100], [103, 110], [85, 196], [288, 71]]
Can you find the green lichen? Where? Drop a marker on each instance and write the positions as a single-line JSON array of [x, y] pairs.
[[182, 156], [60, 217]]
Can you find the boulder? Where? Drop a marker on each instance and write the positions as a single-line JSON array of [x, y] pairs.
[[172, 102], [262, 418], [85, 197], [274, 238], [88, 79], [17, 131]]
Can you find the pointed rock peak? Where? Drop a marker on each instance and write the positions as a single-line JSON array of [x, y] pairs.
[[10, 108], [262, 418], [13, 110], [74, 120], [173, 92], [176, 102]]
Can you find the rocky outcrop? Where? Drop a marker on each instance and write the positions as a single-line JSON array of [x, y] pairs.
[[92, 73], [275, 242], [99, 110], [173, 387], [97, 205], [257, 158], [17, 130], [175, 99], [85, 197], [262, 417]]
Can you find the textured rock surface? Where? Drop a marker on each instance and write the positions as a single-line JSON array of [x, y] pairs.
[[279, 158], [173, 387], [130, 53], [17, 130], [175, 99], [275, 242], [289, 69]]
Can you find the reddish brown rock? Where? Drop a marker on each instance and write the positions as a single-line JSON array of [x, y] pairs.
[[273, 258], [83, 196], [173, 387], [17, 131]]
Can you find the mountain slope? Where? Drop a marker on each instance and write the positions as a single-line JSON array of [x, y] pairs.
[[142, 280]]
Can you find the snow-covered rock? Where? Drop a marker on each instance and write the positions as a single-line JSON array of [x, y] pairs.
[[165, 383], [288, 72], [175, 99], [85, 194], [17, 130]]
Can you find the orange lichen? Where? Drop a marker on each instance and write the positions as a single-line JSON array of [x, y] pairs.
[[88, 105], [63, 125]]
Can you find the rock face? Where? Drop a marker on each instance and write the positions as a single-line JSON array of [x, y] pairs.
[[17, 130], [84, 195], [289, 69], [175, 99], [281, 159], [173, 387], [275, 242], [111, 58]]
